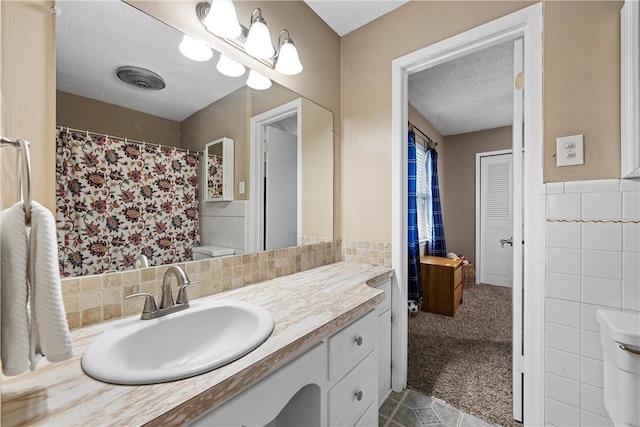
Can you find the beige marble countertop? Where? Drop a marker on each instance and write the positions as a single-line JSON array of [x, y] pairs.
[[307, 307]]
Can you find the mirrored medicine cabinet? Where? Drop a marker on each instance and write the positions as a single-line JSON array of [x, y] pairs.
[[218, 170]]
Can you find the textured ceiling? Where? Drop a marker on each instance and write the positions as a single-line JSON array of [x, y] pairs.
[[344, 16], [94, 38], [467, 94]]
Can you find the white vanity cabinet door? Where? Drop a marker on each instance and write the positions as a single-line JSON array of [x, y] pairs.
[[370, 417], [384, 343], [351, 344], [352, 395]]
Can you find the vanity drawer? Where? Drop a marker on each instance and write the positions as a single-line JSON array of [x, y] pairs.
[[344, 407], [351, 344], [370, 417], [386, 303]]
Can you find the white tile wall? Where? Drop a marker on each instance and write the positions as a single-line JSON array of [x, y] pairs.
[[604, 237], [593, 420], [602, 291], [563, 390], [561, 414], [601, 205], [592, 372], [589, 265], [563, 364], [563, 286], [224, 224]]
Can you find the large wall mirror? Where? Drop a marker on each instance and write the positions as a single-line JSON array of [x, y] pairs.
[[129, 157]]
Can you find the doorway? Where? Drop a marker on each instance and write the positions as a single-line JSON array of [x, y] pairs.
[[274, 216], [526, 23]]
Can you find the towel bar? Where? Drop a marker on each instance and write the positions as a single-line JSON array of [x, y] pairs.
[[25, 172]]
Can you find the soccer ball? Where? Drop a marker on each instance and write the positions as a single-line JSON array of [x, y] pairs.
[[413, 307]]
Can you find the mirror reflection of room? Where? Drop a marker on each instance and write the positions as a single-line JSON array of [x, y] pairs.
[[131, 179]]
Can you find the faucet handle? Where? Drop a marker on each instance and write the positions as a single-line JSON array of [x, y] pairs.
[[149, 302], [183, 298]]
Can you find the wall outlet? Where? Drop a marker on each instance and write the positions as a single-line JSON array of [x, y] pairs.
[[241, 187], [570, 150]]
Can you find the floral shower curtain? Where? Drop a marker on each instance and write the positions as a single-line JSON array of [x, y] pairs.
[[116, 200], [415, 289], [436, 246]]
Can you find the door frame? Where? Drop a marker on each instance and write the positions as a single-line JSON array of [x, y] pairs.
[[479, 157], [526, 23], [254, 239]]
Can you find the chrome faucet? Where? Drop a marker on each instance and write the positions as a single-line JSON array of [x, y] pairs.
[[167, 304]]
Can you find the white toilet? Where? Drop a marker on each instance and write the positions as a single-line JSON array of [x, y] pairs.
[[620, 339], [211, 251]]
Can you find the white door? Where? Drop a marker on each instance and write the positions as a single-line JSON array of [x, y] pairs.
[[281, 189], [496, 220]]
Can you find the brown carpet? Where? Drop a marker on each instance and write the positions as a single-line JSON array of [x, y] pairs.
[[466, 360]]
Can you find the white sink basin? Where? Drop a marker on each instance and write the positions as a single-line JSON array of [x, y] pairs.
[[179, 345]]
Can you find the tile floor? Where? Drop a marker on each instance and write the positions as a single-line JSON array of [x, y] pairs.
[[413, 409]]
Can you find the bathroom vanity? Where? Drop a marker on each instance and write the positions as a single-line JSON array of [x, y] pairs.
[[319, 366]]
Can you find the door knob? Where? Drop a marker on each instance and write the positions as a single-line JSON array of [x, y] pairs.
[[506, 241]]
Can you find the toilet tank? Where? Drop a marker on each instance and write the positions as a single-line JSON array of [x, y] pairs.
[[211, 251], [620, 339]]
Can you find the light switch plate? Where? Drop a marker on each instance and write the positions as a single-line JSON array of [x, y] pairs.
[[570, 150], [241, 187]]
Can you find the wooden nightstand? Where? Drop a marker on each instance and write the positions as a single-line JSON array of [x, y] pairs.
[[441, 284]]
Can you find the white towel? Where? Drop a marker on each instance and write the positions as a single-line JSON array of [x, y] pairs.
[[14, 291], [49, 329]]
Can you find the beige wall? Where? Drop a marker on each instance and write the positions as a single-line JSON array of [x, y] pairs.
[[230, 117], [97, 116], [225, 118], [366, 100], [317, 171], [28, 96], [582, 86], [459, 192], [581, 93]]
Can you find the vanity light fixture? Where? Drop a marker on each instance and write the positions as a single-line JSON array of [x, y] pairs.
[[258, 42], [229, 67], [195, 50], [287, 60], [221, 19], [258, 81]]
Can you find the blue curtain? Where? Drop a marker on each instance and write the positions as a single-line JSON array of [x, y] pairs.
[[436, 245], [414, 242]]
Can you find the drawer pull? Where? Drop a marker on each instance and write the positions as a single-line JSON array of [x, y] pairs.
[[359, 395], [358, 341]]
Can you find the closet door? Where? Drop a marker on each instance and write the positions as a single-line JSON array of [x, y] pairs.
[[496, 220]]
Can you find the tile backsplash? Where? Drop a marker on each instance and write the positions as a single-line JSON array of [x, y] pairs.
[[363, 252], [97, 298], [592, 262]]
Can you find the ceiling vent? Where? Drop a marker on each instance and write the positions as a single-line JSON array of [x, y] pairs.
[[140, 78]]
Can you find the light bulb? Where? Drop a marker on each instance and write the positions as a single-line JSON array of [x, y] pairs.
[[258, 81], [288, 61], [195, 50], [258, 42], [222, 19], [229, 67]]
